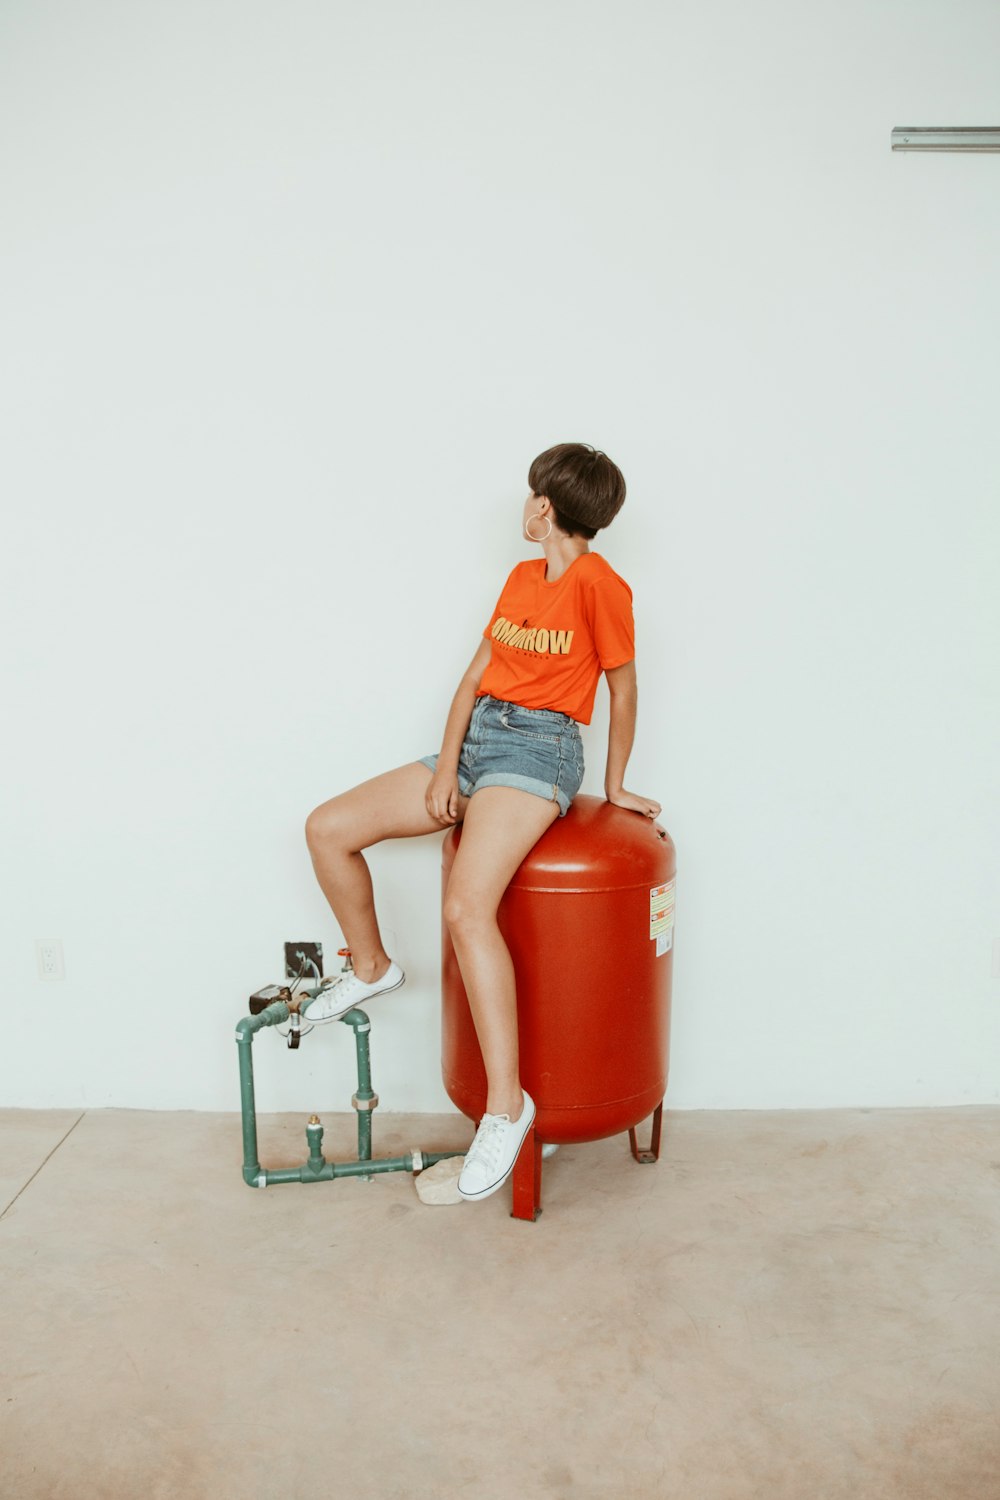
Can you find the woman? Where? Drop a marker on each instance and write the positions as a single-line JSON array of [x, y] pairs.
[[510, 764]]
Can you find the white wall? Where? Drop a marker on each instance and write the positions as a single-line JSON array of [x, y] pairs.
[[292, 295]]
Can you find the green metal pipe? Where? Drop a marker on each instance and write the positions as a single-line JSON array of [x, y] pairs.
[[331, 1170], [316, 1168], [365, 1092], [268, 1176], [272, 1015]]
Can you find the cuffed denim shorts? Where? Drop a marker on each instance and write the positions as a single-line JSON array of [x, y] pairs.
[[534, 749]]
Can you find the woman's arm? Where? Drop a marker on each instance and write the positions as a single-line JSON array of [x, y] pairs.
[[621, 734], [442, 789], [624, 696], [462, 705]]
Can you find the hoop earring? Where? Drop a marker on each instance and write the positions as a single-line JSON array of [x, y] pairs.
[[527, 524]]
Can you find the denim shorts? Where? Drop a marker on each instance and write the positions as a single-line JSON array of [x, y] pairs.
[[534, 749]]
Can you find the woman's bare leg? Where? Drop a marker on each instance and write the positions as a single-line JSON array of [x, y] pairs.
[[501, 825], [390, 806]]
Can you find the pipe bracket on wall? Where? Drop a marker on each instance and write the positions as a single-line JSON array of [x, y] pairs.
[[946, 138]]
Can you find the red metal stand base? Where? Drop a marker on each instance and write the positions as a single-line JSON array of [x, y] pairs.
[[528, 1178], [654, 1146], [527, 1174]]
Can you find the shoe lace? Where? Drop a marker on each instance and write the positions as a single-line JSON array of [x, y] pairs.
[[486, 1146], [330, 989]]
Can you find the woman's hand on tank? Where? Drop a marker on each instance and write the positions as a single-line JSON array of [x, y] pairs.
[[442, 796], [645, 805]]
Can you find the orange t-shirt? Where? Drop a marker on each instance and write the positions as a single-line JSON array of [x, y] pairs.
[[552, 641]]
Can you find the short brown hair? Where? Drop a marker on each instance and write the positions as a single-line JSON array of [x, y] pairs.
[[586, 490]]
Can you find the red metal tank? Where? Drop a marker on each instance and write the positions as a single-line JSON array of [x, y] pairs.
[[588, 919]]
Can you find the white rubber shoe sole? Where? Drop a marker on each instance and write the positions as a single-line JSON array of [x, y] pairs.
[[349, 992]]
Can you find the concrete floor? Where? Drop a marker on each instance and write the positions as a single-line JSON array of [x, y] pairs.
[[800, 1304]]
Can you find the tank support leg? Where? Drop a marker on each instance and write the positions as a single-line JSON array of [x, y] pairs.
[[654, 1146], [527, 1178]]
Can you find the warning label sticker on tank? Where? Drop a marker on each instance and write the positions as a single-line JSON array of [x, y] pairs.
[[661, 916]]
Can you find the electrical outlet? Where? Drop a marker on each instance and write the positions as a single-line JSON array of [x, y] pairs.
[[49, 952], [297, 961]]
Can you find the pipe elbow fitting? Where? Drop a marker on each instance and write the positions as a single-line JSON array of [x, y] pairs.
[[271, 1015]]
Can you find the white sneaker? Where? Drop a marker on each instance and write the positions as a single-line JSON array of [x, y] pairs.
[[347, 992], [492, 1155]]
